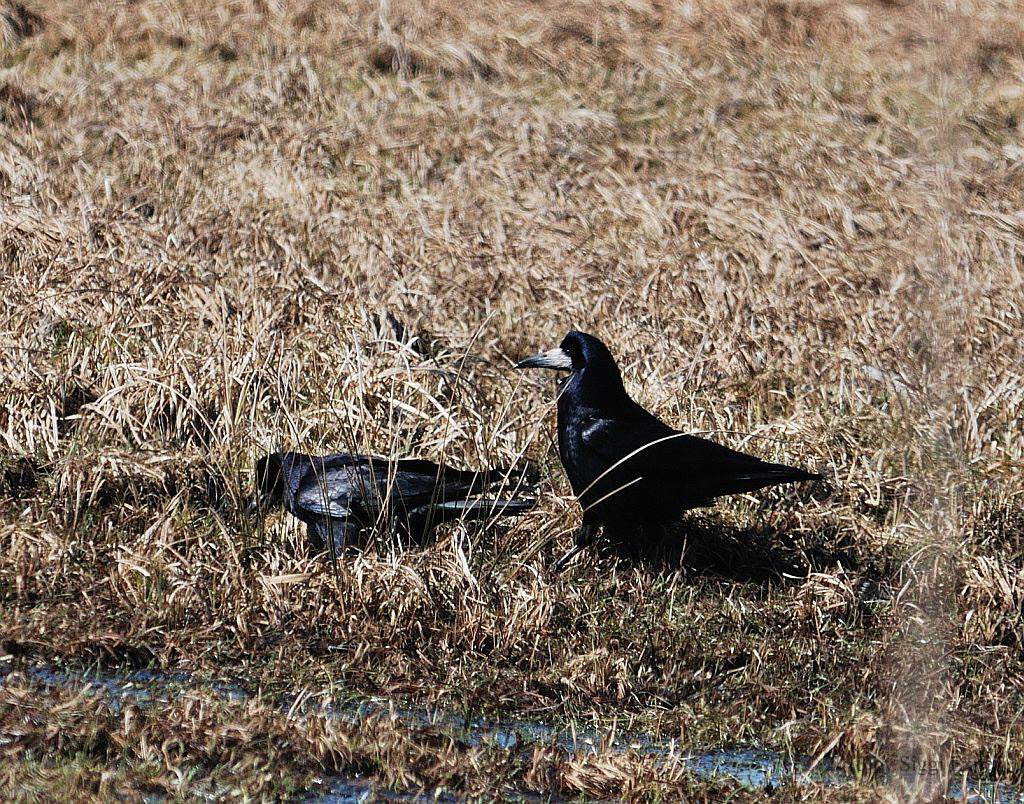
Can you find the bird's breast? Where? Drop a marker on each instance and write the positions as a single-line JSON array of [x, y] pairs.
[[580, 465]]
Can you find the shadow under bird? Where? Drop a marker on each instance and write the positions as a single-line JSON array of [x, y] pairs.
[[628, 469], [340, 497]]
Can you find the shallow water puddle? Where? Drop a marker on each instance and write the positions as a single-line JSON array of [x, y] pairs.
[[753, 768], [357, 791]]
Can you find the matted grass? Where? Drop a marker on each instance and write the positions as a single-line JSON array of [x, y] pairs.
[[797, 225]]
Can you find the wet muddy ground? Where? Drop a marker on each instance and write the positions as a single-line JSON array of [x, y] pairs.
[[753, 768]]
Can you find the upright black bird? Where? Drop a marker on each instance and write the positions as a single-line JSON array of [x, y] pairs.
[[627, 468], [340, 496]]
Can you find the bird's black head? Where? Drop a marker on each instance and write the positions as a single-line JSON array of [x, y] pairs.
[[586, 351], [576, 352], [269, 478]]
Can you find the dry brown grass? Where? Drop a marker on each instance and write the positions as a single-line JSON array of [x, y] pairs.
[[796, 223]]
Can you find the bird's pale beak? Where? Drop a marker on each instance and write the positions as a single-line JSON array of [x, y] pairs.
[[552, 359]]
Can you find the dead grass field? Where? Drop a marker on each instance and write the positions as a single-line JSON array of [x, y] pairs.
[[798, 224]]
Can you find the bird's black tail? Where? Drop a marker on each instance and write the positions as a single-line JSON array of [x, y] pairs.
[[772, 474], [482, 508], [790, 474]]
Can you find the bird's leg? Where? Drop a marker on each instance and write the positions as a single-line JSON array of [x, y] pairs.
[[584, 538], [418, 524]]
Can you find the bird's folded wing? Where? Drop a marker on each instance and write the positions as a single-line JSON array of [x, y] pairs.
[[327, 494], [409, 488], [613, 439], [426, 479], [656, 447], [409, 481], [364, 486]]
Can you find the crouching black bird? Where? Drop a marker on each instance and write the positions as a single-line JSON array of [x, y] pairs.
[[628, 469], [339, 497]]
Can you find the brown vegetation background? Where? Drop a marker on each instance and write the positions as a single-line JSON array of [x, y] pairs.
[[797, 224]]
